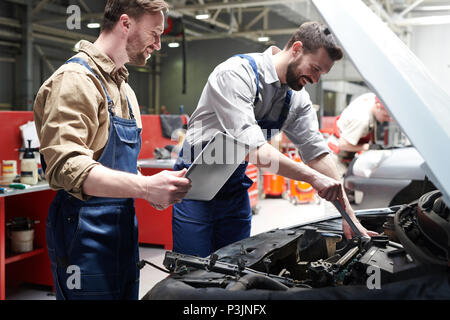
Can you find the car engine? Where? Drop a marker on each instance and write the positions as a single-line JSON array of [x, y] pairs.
[[316, 261]]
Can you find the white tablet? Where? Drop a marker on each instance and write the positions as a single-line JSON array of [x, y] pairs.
[[214, 165]]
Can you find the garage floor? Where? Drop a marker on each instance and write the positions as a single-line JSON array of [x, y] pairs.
[[273, 213]]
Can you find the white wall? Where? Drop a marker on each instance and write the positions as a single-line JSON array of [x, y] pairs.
[[431, 44]]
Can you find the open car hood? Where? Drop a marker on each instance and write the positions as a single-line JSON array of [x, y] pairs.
[[414, 99]]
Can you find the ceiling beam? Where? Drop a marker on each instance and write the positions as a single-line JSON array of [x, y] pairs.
[[410, 8], [210, 21], [84, 16], [251, 35], [216, 14], [10, 22], [229, 5], [50, 7], [85, 6], [7, 59], [38, 7], [41, 31], [44, 57], [257, 18], [62, 33], [424, 21], [9, 44]]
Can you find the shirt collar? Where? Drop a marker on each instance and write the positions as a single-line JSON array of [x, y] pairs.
[[104, 62], [270, 73]]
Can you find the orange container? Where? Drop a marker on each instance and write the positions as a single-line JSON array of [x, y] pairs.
[[299, 191], [274, 185]]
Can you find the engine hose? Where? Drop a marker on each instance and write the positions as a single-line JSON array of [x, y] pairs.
[[256, 281]]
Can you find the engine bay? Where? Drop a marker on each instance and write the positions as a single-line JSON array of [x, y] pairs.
[[413, 243]]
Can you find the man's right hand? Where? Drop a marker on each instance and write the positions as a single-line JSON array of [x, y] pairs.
[[328, 188], [166, 188]]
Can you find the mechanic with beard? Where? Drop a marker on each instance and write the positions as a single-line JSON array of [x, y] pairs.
[[248, 96], [89, 127]]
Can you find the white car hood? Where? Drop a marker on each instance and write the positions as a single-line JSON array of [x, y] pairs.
[[404, 85]]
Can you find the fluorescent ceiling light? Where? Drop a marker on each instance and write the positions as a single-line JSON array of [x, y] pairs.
[[263, 39], [93, 25], [202, 16], [174, 44]]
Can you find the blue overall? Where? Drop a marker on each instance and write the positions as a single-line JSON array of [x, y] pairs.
[[93, 244], [202, 227]]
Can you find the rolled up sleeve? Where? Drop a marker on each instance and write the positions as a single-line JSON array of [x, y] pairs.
[[232, 97], [67, 120], [302, 128]]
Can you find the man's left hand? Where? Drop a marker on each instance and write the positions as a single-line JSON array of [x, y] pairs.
[[348, 232]]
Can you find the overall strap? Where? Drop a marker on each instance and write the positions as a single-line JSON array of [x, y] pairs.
[[255, 70], [277, 124], [130, 110], [86, 65], [286, 107], [265, 124]]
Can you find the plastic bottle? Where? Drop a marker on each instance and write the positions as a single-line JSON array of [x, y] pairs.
[[29, 166]]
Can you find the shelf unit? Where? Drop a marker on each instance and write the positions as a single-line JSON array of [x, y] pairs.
[[30, 267], [34, 267], [22, 256]]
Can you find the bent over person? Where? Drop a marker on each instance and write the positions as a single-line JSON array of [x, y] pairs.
[[249, 96]]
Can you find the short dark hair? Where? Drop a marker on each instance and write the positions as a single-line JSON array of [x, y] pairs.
[[134, 8], [314, 36]]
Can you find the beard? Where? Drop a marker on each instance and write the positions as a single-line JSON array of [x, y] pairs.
[[137, 56], [292, 79]]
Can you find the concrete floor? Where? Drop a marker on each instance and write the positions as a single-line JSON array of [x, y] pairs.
[[273, 213]]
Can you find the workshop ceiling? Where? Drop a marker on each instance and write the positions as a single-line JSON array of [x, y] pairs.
[[44, 23], [248, 19]]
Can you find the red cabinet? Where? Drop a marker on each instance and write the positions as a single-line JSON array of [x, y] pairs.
[[34, 266], [155, 227]]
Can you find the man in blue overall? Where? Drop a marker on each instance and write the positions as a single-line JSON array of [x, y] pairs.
[[89, 126], [249, 96]]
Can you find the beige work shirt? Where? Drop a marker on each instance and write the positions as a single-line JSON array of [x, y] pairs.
[[72, 119]]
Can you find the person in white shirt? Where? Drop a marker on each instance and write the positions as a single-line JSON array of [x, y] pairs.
[[357, 122]]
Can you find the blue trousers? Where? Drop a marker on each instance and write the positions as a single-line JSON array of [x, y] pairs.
[[93, 249], [202, 227]]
